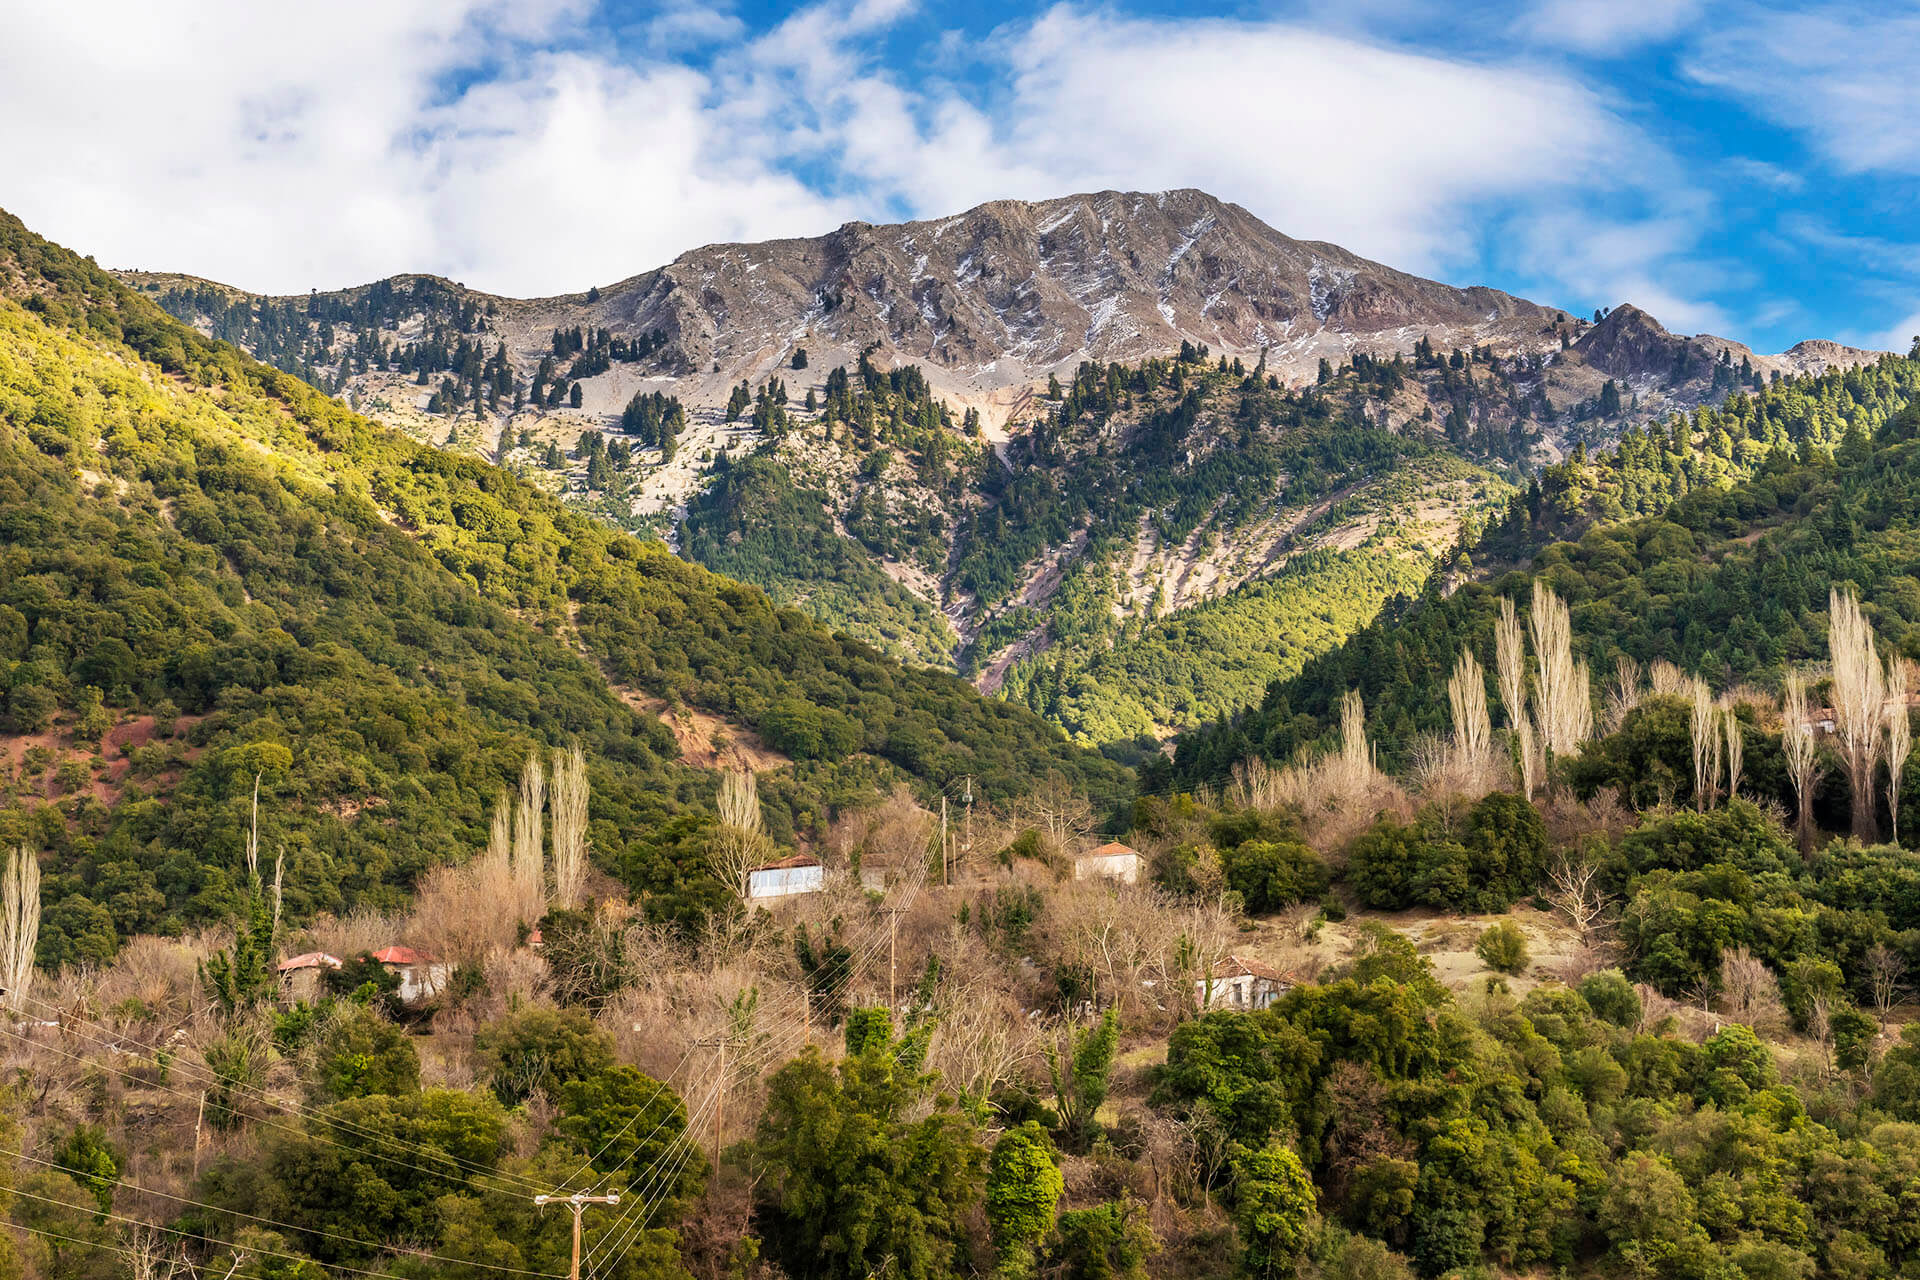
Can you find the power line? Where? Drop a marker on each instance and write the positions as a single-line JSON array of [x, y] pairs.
[[212, 1080], [271, 1253], [635, 1220], [252, 1217], [429, 1152]]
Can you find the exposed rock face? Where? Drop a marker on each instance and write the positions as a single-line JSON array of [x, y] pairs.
[[1632, 346], [1012, 291], [991, 301]]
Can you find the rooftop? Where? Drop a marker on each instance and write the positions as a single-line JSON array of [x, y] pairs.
[[309, 960], [1235, 967]]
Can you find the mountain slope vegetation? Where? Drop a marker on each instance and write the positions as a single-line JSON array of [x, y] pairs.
[[975, 423], [216, 573], [1759, 507]]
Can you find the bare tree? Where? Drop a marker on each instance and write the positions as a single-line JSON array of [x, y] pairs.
[[1356, 754], [569, 828], [19, 924], [529, 851], [1255, 785], [980, 1041], [253, 838], [500, 838], [1796, 741], [1859, 704], [739, 845], [1820, 1030], [1749, 992], [1623, 695], [1510, 658], [154, 1256], [1736, 750], [1899, 737], [1664, 680], [1564, 715], [1885, 968], [1706, 748], [279, 886], [1472, 726], [1577, 890], [1060, 813]]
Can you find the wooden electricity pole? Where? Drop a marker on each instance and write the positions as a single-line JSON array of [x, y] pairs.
[[946, 876], [720, 1044], [578, 1202], [893, 926], [966, 845]]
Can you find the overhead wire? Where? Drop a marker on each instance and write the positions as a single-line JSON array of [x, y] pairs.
[[184, 1234], [427, 1152], [252, 1217], [211, 1080], [679, 1153]]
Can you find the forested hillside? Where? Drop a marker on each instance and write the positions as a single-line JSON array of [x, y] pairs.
[[875, 446], [1758, 507], [217, 574]]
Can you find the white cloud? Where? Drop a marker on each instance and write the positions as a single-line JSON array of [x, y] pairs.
[[1388, 152], [1607, 27], [1901, 337], [1843, 75], [278, 148], [680, 26], [1645, 261]]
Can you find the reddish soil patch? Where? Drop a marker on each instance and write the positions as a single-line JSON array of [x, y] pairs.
[[706, 740]]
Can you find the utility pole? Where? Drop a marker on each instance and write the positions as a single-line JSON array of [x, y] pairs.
[[893, 926], [966, 844], [946, 876], [578, 1202], [720, 1044]]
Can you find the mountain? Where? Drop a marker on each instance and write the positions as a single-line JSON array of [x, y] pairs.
[[989, 302], [216, 574], [1021, 442]]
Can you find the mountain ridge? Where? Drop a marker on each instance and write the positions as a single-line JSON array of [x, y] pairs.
[[994, 300]]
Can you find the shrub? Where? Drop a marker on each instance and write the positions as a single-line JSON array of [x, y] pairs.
[[1503, 947], [1612, 997], [363, 1054], [539, 1048], [1269, 875]]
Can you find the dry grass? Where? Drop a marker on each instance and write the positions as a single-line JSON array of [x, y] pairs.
[[361, 930]]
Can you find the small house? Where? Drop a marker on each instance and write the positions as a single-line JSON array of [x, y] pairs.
[[1111, 861], [300, 975], [802, 873], [1240, 984], [421, 976]]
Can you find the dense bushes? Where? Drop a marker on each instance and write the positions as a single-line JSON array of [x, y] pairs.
[[1541, 1135], [1269, 875], [1485, 861]]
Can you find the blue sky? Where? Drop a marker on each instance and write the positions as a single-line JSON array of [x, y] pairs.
[[1747, 169]]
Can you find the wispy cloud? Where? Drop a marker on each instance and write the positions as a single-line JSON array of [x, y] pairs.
[[1841, 75], [503, 143], [282, 146], [1609, 28]]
